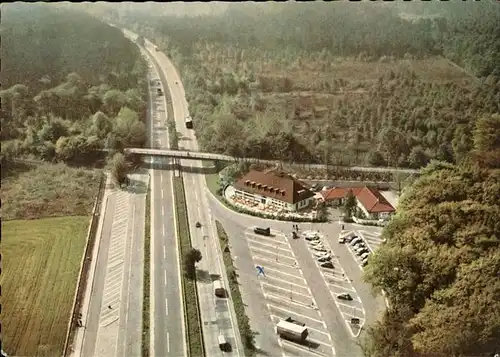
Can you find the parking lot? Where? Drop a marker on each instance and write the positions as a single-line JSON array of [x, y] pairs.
[[287, 293], [372, 239], [337, 281]]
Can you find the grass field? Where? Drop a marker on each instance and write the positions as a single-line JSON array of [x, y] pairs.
[[48, 190], [191, 313], [40, 266]]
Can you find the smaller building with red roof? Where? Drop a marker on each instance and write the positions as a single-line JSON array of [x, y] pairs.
[[369, 200]]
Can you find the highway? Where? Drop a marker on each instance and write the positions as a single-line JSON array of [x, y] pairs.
[[218, 316], [167, 328], [194, 154]]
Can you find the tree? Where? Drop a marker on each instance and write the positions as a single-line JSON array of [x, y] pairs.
[[191, 257], [119, 169], [439, 267], [349, 204], [129, 131]]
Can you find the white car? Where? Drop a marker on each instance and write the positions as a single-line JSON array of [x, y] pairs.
[[320, 249], [320, 254], [362, 251], [359, 244], [315, 242], [356, 241]]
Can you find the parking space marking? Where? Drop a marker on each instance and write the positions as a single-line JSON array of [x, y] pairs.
[[266, 251], [275, 246], [297, 314], [287, 290], [301, 348], [266, 238], [269, 260], [336, 286], [290, 275], [276, 319], [271, 296], [349, 306], [287, 282]]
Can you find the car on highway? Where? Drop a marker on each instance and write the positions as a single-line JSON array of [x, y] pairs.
[[198, 225], [324, 258], [327, 264], [344, 296]]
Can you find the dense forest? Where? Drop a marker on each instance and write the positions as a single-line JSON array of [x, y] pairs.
[[440, 266], [345, 85], [71, 84]]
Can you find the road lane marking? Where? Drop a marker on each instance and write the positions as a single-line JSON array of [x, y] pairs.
[[166, 306], [165, 277], [164, 253], [168, 342], [162, 211], [162, 193], [163, 229], [161, 178], [333, 277], [291, 275]]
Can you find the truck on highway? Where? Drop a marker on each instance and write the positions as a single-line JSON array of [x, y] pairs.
[[292, 330], [262, 231]]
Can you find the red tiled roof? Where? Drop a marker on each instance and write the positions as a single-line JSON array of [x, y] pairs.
[[280, 186], [369, 197], [373, 201], [338, 192]]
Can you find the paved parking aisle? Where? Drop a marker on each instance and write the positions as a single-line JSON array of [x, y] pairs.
[[287, 293], [338, 283]]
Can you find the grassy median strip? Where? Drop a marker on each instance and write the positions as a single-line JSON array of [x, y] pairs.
[[192, 312], [247, 335], [145, 293]]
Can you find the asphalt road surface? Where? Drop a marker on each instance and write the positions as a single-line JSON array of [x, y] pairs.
[[287, 293], [168, 334], [113, 325], [217, 315]]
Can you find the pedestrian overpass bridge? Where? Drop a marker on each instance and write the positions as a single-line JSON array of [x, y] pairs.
[[197, 155]]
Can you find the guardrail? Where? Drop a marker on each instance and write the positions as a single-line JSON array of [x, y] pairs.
[[85, 264]]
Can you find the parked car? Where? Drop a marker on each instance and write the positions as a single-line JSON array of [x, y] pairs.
[[364, 255], [344, 296], [349, 238], [364, 262], [359, 247], [311, 237], [356, 241], [318, 248], [327, 264], [359, 244], [324, 258], [362, 251], [319, 254], [315, 242]]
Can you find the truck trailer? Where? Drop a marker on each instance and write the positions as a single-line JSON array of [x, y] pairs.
[[292, 330]]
